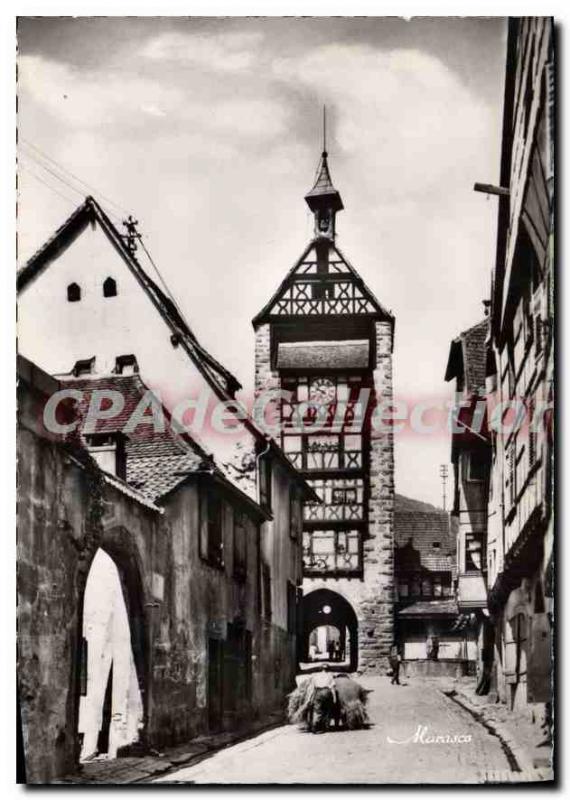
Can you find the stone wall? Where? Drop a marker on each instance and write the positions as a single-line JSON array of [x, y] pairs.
[[64, 515], [373, 597], [67, 510]]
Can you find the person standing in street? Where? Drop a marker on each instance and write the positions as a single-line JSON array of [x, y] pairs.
[[395, 660]]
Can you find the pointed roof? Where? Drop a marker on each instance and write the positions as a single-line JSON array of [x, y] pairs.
[[323, 188], [90, 211], [468, 357], [371, 304]]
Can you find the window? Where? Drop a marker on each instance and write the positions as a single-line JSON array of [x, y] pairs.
[[324, 451], [126, 365], [478, 466], [295, 514], [211, 528], [265, 482], [73, 293], [426, 588], [110, 288], [532, 434], [85, 366], [266, 591], [239, 546], [402, 589], [511, 472], [109, 451], [438, 587], [436, 545]]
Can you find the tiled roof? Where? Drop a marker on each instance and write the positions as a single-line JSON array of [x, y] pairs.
[[416, 532], [323, 355], [468, 358], [157, 475], [474, 356], [323, 186], [426, 608], [154, 457]]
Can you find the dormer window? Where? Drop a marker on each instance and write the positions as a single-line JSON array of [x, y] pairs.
[[110, 288], [85, 366], [109, 451], [73, 293], [126, 365]]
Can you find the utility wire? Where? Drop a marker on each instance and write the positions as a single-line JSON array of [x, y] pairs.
[[91, 188], [75, 177], [26, 168], [80, 192]]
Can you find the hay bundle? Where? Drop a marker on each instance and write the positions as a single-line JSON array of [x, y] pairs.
[[352, 699], [300, 703]]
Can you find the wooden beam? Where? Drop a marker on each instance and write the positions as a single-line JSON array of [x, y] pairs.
[[488, 188]]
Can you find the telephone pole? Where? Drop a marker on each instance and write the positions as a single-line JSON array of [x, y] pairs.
[[443, 473]]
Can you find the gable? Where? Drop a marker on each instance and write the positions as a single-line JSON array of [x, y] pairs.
[[309, 292], [88, 250]]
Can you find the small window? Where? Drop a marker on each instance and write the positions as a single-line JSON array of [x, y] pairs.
[[211, 528], [126, 365], [73, 293], [478, 466], [436, 545], [110, 288], [403, 589], [266, 591], [295, 514], [85, 366]]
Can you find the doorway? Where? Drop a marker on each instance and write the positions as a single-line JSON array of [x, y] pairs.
[[110, 706]]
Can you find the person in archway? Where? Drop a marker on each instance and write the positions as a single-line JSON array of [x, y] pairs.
[[336, 651], [330, 649], [395, 660]]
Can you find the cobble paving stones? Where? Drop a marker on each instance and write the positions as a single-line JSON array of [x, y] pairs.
[[289, 755]]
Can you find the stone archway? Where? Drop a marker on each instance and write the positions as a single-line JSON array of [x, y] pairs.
[[325, 608], [112, 663]]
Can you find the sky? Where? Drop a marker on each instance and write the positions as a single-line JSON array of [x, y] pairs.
[[209, 131]]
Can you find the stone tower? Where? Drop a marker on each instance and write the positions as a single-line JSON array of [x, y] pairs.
[[325, 342]]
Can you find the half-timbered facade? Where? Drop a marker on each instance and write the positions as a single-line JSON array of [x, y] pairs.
[[324, 351], [521, 374]]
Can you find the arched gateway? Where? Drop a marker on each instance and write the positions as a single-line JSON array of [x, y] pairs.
[[326, 609]]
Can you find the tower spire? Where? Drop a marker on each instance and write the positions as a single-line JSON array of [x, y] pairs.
[[323, 199]]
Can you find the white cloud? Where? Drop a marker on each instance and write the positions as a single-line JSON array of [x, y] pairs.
[[403, 110], [227, 51], [90, 100]]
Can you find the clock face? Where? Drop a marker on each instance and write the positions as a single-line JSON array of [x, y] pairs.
[[323, 390]]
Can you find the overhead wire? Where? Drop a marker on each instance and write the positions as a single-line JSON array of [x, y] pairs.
[[27, 169], [119, 208], [92, 189]]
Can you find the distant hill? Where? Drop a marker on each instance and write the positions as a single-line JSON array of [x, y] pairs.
[[402, 503]]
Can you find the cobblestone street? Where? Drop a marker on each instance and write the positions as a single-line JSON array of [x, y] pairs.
[[414, 713]]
